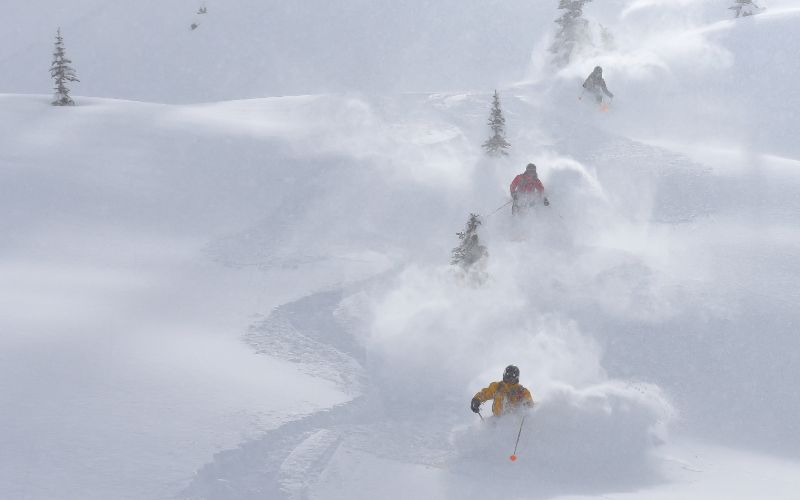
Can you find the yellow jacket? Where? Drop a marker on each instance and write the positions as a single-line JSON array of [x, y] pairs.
[[507, 397]]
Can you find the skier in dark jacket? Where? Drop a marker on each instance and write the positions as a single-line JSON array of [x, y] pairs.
[[526, 190], [596, 85]]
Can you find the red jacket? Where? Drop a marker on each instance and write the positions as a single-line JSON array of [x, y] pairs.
[[524, 183]]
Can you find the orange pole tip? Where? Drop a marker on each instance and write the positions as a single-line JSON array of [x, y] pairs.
[[513, 458]]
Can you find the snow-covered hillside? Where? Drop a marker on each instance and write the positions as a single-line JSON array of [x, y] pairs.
[[252, 298]]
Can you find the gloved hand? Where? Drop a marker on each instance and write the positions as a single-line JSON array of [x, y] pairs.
[[475, 405], [546, 202]]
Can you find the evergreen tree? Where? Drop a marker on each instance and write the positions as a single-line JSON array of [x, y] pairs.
[[573, 31], [470, 250], [496, 145], [62, 72], [744, 8]]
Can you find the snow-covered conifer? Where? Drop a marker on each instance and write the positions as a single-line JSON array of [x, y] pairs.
[[62, 72], [573, 31], [496, 145], [744, 8], [470, 250]]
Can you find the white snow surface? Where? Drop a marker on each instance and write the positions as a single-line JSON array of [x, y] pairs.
[[249, 299]]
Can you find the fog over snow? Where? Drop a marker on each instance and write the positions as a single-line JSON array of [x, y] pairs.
[[225, 273]]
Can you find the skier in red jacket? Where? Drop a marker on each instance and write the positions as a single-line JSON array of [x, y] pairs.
[[527, 190]]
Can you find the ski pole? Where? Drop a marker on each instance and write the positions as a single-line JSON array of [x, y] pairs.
[[479, 414], [504, 205], [513, 456]]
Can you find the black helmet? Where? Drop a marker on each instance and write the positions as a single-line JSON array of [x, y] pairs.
[[530, 168], [598, 69], [511, 375]]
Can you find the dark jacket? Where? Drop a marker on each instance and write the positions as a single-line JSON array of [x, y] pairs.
[[595, 83]]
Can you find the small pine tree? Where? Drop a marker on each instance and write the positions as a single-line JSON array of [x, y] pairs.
[[470, 250], [744, 8], [62, 72], [496, 145], [573, 32]]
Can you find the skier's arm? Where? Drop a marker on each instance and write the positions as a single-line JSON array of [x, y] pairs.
[[514, 185], [528, 398], [486, 393], [540, 189], [605, 89], [482, 396]]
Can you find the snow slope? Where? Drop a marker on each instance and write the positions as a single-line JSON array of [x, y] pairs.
[[650, 308]]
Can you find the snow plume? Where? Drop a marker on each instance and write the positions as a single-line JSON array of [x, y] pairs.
[[434, 343], [597, 436], [661, 53], [647, 40]]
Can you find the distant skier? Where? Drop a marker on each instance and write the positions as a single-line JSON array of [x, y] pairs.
[[527, 190], [508, 396], [597, 85]]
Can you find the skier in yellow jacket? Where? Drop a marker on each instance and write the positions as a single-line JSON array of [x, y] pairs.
[[508, 395]]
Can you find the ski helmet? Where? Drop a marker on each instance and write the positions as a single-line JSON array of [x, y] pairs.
[[530, 168], [598, 70], [511, 375]]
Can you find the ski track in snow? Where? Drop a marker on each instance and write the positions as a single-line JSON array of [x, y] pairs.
[[307, 333], [299, 466], [286, 462]]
